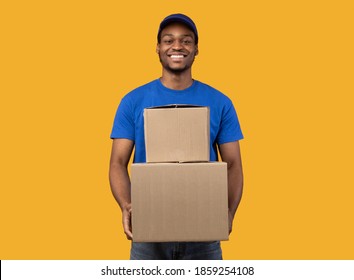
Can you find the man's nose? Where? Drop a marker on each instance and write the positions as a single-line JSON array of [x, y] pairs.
[[177, 45]]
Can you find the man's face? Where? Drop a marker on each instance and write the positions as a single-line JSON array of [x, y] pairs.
[[177, 48]]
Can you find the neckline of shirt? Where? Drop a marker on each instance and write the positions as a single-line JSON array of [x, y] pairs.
[[177, 91]]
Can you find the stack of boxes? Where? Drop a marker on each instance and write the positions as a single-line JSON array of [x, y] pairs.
[[178, 194]]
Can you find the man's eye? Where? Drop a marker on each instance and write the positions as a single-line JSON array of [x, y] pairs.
[[168, 41], [187, 42]]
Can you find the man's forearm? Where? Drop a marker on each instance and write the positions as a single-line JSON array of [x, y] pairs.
[[235, 187], [119, 180], [120, 184]]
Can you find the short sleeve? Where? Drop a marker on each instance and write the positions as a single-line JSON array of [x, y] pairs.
[[123, 126], [230, 129]]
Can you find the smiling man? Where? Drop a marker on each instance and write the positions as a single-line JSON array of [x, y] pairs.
[[177, 46]]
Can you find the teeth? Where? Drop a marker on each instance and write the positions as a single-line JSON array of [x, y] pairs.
[[176, 56]]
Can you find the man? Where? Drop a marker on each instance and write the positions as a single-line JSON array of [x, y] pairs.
[[177, 46]]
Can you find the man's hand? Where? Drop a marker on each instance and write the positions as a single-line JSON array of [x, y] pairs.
[[127, 221]]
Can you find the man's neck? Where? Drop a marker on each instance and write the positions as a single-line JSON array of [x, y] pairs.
[[176, 81]]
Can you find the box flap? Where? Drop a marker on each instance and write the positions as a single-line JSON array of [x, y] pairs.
[[175, 106]]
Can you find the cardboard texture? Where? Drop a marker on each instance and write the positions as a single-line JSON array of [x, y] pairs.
[[179, 202], [177, 134]]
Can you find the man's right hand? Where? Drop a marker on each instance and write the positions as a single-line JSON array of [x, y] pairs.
[[127, 221]]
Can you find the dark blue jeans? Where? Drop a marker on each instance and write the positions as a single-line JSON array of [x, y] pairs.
[[176, 251]]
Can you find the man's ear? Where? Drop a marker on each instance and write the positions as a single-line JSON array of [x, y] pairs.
[[196, 50], [157, 48]]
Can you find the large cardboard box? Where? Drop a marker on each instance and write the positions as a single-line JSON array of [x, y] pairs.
[[177, 133], [179, 202]]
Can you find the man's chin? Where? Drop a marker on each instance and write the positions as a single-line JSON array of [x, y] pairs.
[[177, 70]]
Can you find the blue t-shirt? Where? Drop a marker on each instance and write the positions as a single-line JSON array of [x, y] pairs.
[[129, 119]]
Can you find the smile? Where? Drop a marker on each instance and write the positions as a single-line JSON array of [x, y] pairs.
[[177, 56]]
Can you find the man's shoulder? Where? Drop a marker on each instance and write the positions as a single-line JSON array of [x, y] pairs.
[[212, 92], [143, 89]]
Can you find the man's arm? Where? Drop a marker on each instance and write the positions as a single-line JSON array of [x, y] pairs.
[[230, 153], [119, 179]]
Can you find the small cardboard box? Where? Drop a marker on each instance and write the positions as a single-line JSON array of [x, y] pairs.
[[179, 202], [177, 133]]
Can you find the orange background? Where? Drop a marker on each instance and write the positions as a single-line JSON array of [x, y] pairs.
[[287, 65]]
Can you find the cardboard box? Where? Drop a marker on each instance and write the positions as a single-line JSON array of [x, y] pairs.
[[177, 133], [179, 202]]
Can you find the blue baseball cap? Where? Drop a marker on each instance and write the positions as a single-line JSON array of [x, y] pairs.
[[178, 18]]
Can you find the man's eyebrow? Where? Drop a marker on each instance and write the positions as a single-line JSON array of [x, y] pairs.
[[183, 35]]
